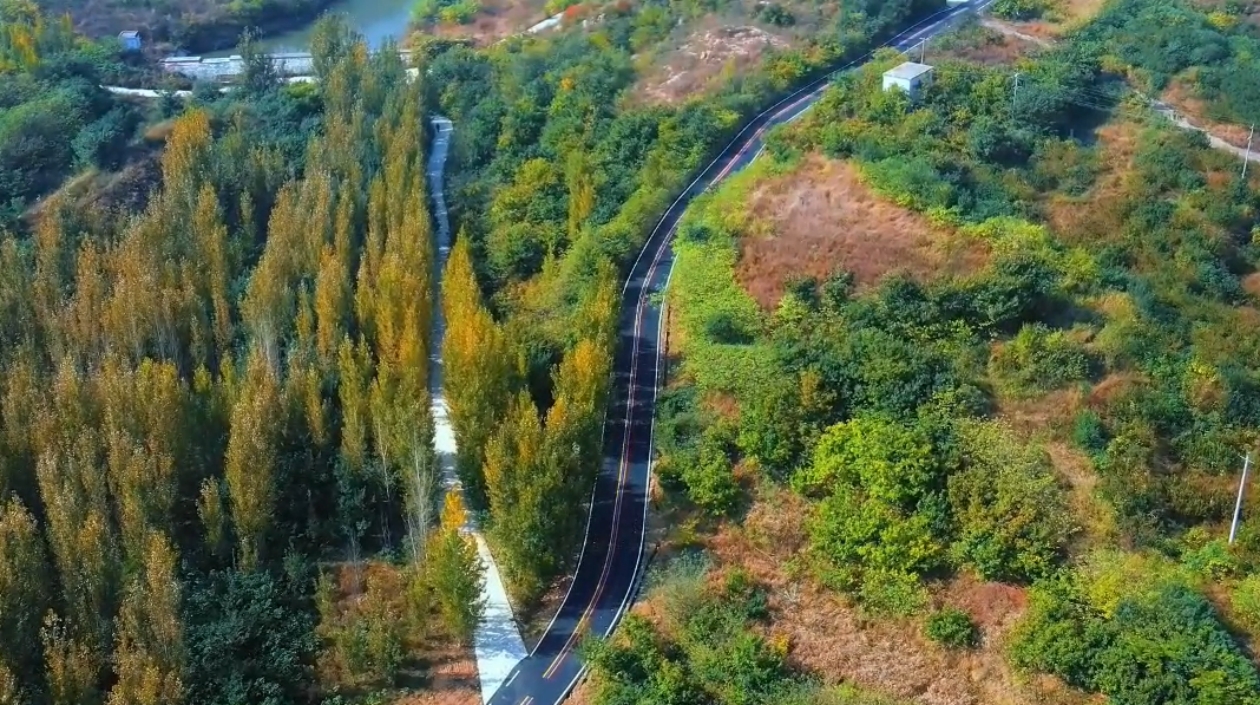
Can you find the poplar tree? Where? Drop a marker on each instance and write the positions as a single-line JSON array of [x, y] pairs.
[[11, 692], [521, 485], [574, 426], [218, 262], [150, 654], [332, 299], [73, 667], [455, 571], [251, 459], [477, 363], [83, 545], [213, 516], [24, 583]]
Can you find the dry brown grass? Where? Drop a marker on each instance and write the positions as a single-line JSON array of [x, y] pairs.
[[103, 196], [1051, 412], [824, 219], [1080, 219], [1065, 15], [981, 45], [830, 637], [1251, 284], [496, 20], [453, 681], [1113, 387], [712, 52]]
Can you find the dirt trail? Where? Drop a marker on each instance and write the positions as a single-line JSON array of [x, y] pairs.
[[1157, 105]]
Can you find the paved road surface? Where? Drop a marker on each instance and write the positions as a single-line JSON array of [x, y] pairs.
[[613, 554]]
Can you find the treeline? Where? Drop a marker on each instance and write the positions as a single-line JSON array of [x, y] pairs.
[[556, 184], [878, 405], [200, 404]]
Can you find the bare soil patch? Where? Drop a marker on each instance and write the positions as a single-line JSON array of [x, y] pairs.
[[707, 54], [823, 219]]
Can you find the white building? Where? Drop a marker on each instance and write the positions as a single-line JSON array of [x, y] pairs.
[[130, 40], [909, 77]]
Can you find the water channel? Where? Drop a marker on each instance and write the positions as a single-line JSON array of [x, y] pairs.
[[376, 20]]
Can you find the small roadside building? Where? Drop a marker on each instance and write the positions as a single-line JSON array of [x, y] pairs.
[[909, 77], [130, 40]]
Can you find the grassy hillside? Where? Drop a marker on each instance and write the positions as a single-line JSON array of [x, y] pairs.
[[960, 387]]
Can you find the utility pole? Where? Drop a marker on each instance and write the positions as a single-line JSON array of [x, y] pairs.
[[1233, 527], [1247, 156], [1015, 92], [923, 51]]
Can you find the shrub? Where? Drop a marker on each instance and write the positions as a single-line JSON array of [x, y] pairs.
[[777, 15], [1165, 646], [1012, 515], [746, 593], [710, 481], [891, 461], [952, 628], [1018, 9], [858, 534], [892, 592], [1039, 360], [1089, 434], [1245, 599]]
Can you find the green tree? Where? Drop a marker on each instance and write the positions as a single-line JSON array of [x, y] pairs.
[[892, 462], [455, 572]]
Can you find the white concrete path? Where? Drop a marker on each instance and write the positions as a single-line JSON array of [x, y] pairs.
[[497, 641]]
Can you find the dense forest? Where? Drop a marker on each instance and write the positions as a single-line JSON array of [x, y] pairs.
[[1112, 302], [216, 409]]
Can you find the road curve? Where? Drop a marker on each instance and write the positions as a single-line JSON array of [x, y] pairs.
[[612, 558]]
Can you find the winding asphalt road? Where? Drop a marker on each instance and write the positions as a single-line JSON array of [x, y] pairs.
[[612, 559]]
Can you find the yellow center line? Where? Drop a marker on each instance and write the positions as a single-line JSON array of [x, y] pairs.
[[621, 474]]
